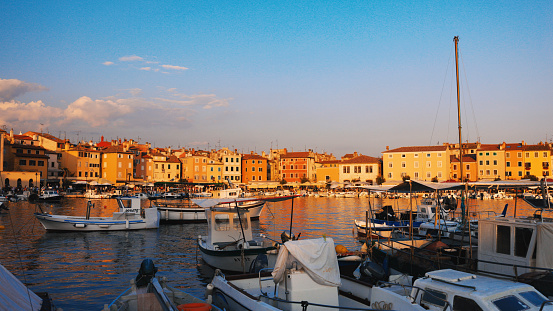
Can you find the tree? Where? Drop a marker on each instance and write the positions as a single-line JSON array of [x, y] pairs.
[[380, 180], [283, 182], [406, 177], [304, 180], [532, 177]]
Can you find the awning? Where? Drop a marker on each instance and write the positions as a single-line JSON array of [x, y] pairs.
[[420, 186]]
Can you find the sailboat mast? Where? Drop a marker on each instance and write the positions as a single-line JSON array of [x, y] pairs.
[[456, 40]]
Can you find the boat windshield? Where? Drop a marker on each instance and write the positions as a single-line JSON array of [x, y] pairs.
[[237, 220], [533, 297], [510, 303]]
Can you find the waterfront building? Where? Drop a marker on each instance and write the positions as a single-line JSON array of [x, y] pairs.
[[425, 163], [298, 166], [194, 168], [166, 168], [144, 167], [81, 162], [23, 164], [232, 164], [215, 171], [359, 168], [514, 160], [491, 162], [328, 171], [470, 168], [117, 164], [537, 160], [254, 168]]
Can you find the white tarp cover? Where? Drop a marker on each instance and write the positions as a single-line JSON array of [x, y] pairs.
[[14, 295], [316, 256], [544, 257]]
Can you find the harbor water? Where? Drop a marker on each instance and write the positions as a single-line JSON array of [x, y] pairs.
[[85, 270]]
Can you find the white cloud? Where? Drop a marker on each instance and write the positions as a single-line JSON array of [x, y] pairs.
[[206, 101], [174, 67], [135, 92], [146, 68], [131, 58], [107, 63], [95, 112], [11, 88], [18, 114]]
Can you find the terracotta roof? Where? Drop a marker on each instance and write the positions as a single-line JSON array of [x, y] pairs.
[[330, 162], [489, 147], [47, 136], [114, 149], [362, 159], [22, 137], [466, 158], [253, 156], [305, 154], [417, 149], [536, 148]]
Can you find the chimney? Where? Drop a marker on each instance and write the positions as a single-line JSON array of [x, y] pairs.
[[387, 148]]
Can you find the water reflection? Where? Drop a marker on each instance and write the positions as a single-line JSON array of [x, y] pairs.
[[84, 270]]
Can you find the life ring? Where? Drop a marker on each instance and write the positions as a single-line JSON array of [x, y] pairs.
[[195, 306]]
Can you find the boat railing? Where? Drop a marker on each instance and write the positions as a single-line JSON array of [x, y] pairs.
[[262, 279], [545, 303], [417, 290]]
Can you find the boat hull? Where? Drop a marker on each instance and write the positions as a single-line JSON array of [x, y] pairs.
[[234, 260], [73, 223], [197, 214]]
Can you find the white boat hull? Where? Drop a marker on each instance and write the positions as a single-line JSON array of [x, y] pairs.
[[233, 259], [197, 214], [119, 221]]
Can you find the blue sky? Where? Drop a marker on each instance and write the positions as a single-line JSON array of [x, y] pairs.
[[334, 76]]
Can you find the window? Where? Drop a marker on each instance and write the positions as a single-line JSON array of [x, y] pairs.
[[508, 164], [487, 162], [428, 155], [508, 155], [481, 162], [403, 164], [416, 155], [545, 154], [522, 241], [40, 163], [503, 240], [428, 175], [22, 162], [462, 304], [390, 165], [416, 175], [439, 154], [416, 163], [494, 162], [468, 167], [519, 164], [434, 297], [495, 172], [253, 177], [439, 163], [510, 303], [535, 154], [32, 162], [519, 154], [253, 168], [428, 164], [533, 297], [389, 175], [403, 155]]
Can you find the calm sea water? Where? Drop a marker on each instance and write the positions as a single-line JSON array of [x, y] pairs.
[[85, 270]]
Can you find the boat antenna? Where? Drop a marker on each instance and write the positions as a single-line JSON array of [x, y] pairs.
[[291, 217]]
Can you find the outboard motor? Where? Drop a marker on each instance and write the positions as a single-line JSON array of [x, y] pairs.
[[286, 236], [146, 273], [260, 262], [371, 272]]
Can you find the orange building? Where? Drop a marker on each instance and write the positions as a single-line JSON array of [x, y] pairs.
[[254, 168], [470, 168]]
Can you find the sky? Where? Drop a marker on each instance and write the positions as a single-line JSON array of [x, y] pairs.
[[331, 76]]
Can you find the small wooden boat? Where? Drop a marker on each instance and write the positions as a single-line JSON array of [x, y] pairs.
[[229, 244], [130, 217], [149, 293]]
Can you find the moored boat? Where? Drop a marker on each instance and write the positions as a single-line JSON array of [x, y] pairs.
[[149, 293], [130, 217], [229, 244]]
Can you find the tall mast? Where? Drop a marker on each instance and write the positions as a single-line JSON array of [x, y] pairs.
[[456, 40]]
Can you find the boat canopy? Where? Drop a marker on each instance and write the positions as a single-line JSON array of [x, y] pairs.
[[316, 256], [420, 186]]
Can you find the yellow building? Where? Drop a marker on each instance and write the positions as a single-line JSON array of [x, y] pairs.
[[514, 160], [194, 168], [214, 171], [81, 162], [166, 168], [491, 162], [117, 164], [328, 171], [144, 167], [425, 163], [360, 168], [537, 159]]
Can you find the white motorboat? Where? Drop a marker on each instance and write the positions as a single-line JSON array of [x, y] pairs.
[[130, 217], [305, 277], [149, 293], [229, 244], [50, 195], [378, 230], [94, 195]]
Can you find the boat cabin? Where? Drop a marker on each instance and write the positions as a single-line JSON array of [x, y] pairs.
[[129, 205], [519, 241], [226, 225], [466, 291]]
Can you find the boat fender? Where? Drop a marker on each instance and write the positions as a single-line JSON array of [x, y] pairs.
[[195, 306], [209, 292], [243, 245]]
